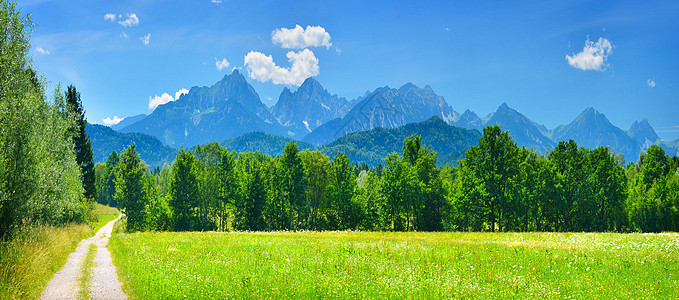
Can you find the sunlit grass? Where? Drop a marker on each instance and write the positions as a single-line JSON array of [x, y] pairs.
[[397, 265], [30, 260]]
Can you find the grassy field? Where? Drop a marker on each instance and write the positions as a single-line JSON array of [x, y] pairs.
[[30, 260], [397, 265]]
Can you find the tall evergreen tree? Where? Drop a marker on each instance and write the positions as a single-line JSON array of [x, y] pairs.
[[82, 142]]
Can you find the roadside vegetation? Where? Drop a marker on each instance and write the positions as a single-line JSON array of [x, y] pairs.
[[47, 187], [387, 265], [29, 260]]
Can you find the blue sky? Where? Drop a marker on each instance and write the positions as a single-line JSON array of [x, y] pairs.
[[548, 59]]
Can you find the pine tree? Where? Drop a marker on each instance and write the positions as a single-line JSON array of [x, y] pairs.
[[82, 142]]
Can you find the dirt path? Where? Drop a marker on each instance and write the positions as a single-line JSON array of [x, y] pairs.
[[104, 282]]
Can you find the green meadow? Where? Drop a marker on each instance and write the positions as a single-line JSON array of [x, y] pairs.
[[396, 265]]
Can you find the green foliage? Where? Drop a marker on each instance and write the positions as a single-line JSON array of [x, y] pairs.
[[497, 187], [40, 181], [82, 142], [249, 210], [132, 190], [653, 202], [228, 186], [368, 196], [317, 172], [294, 187], [106, 182], [341, 212], [494, 166], [184, 192]]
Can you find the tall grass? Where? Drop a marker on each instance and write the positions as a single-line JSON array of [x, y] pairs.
[[396, 265], [29, 261]]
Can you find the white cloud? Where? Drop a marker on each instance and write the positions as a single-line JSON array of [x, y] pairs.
[[221, 64], [131, 20], [217, 1], [299, 38], [159, 100], [108, 121], [651, 83], [261, 67], [42, 51], [179, 93], [110, 17], [123, 34], [146, 39], [165, 98], [593, 55]]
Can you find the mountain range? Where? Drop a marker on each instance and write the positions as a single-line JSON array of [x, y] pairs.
[[231, 108]]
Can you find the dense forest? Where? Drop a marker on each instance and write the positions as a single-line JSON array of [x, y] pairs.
[[496, 187]]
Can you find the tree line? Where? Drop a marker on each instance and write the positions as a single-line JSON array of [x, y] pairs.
[[498, 186], [46, 168]]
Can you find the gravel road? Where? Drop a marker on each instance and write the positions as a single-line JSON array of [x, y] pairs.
[[104, 283]]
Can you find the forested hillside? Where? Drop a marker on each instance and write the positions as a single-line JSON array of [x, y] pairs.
[[106, 140], [265, 143], [371, 147]]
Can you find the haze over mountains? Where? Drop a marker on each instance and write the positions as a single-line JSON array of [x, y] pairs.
[[231, 108]]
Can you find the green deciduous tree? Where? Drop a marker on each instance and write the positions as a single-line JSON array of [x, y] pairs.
[[184, 192], [342, 212], [39, 178], [294, 186], [132, 192], [317, 171], [494, 164], [250, 207], [652, 205], [229, 194], [106, 188]]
